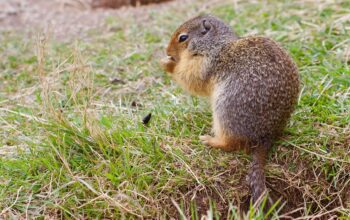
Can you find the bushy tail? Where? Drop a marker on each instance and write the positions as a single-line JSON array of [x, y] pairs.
[[257, 174]]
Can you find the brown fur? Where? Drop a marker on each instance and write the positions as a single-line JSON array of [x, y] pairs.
[[223, 142], [252, 82]]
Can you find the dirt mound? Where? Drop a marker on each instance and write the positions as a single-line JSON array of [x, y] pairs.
[[120, 3]]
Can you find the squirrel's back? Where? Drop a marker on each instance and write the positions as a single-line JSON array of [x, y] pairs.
[[258, 86]]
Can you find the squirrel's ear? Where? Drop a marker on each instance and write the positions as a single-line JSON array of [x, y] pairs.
[[206, 26]]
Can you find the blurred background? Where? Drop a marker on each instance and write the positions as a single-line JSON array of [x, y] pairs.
[[63, 17], [78, 76]]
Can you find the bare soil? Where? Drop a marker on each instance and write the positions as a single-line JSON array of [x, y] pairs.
[[64, 19], [121, 3]]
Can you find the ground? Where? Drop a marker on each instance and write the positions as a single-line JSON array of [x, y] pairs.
[[75, 84]]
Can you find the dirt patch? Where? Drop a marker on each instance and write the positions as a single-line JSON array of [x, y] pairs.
[[120, 3], [64, 19], [302, 191]]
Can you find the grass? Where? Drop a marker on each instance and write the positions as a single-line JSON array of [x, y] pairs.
[[73, 145]]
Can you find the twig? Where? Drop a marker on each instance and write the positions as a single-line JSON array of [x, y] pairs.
[[8, 208], [25, 115], [316, 154]]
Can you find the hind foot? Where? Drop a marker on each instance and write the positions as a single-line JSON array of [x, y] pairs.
[[216, 142]]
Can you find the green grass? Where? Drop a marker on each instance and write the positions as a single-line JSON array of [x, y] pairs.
[[72, 145]]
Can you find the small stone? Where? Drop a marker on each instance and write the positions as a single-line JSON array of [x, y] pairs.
[[116, 81], [147, 118]]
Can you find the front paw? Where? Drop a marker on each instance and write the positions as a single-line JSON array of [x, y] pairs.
[[168, 64]]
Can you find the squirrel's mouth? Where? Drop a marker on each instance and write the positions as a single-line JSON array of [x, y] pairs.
[[170, 58], [168, 63]]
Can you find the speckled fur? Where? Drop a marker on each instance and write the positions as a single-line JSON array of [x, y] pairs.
[[252, 82]]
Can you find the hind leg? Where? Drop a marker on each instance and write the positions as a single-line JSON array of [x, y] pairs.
[[216, 142], [224, 143], [221, 140]]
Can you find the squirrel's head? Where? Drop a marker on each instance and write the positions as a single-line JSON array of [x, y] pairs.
[[200, 27]]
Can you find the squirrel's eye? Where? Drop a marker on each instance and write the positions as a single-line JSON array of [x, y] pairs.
[[183, 37]]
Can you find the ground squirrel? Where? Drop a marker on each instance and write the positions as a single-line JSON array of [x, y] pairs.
[[252, 82]]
